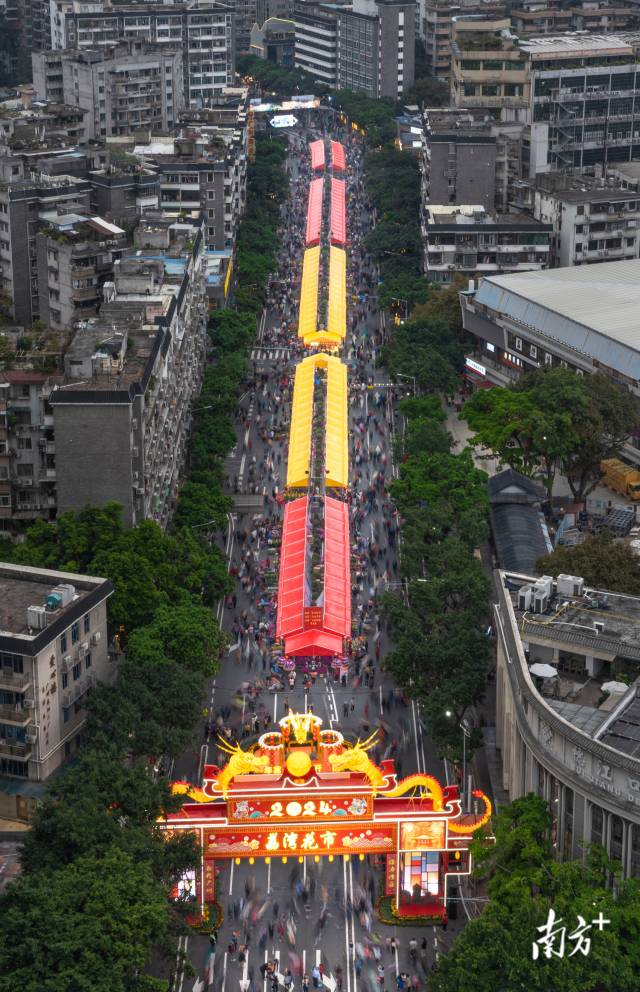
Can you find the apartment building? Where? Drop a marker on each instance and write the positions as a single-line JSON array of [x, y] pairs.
[[275, 41], [375, 47], [30, 20], [568, 739], [488, 68], [120, 192], [273, 8], [533, 19], [120, 89], [466, 154], [459, 166], [76, 256], [245, 15], [593, 220], [121, 415], [202, 172], [53, 650], [436, 29], [204, 33], [316, 40], [27, 449], [467, 240], [22, 201], [581, 317]]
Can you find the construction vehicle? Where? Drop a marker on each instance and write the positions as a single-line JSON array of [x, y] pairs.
[[621, 478]]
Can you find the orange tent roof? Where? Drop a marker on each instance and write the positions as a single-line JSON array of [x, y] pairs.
[[338, 212], [337, 157], [317, 154], [314, 641], [314, 212]]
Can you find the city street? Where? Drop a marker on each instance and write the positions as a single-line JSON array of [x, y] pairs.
[[320, 910]]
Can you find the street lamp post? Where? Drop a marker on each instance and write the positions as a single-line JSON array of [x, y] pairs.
[[403, 375], [465, 733]]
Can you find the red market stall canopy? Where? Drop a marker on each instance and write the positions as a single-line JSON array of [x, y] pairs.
[[290, 613], [336, 617], [314, 212], [337, 157], [338, 210], [317, 154]]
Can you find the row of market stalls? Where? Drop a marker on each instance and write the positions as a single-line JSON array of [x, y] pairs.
[[314, 589]]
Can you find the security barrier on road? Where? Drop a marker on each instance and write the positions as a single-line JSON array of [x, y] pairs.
[[308, 315]]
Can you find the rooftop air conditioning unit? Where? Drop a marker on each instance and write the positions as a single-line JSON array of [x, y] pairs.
[[95, 638], [540, 601], [84, 647], [598, 626], [525, 596], [37, 617], [31, 738], [67, 663], [545, 584], [570, 585]]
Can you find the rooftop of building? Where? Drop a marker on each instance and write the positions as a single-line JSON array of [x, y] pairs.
[[580, 42], [22, 586], [595, 623], [475, 215], [583, 189], [593, 309], [630, 170]]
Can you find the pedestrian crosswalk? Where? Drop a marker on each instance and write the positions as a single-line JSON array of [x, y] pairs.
[[271, 354]]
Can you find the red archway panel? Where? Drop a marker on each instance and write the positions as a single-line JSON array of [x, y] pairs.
[[337, 157], [290, 611], [317, 154], [338, 212], [314, 212], [337, 568]]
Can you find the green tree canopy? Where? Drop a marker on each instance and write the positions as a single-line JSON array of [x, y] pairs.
[[494, 951], [553, 420], [602, 561], [84, 927]]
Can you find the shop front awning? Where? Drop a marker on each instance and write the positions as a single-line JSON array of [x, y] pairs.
[[308, 314], [316, 148], [338, 213], [314, 212], [337, 311], [337, 157], [337, 568], [291, 583]]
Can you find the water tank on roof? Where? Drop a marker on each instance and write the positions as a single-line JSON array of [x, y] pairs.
[[68, 592], [54, 601]]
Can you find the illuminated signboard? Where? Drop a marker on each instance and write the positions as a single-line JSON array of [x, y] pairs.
[[425, 836], [312, 616], [251, 810], [366, 838], [475, 366]]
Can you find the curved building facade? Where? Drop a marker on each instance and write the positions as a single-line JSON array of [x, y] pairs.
[[564, 737]]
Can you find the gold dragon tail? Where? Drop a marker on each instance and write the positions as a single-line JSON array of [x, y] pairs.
[[190, 791]]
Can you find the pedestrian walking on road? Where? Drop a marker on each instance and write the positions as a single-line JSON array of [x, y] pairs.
[[345, 709], [315, 976]]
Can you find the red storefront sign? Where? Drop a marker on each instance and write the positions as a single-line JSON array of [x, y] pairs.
[[295, 840], [312, 616], [391, 875]]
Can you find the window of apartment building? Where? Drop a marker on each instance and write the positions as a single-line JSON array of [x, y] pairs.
[[13, 662], [580, 210], [518, 344], [630, 242], [25, 469], [533, 351], [617, 833], [77, 706], [87, 660], [67, 748], [77, 669], [578, 246], [548, 359], [24, 444], [65, 714], [65, 680], [4, 471], [75, 633], [579, 228], [63, 643], [86, 623]]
